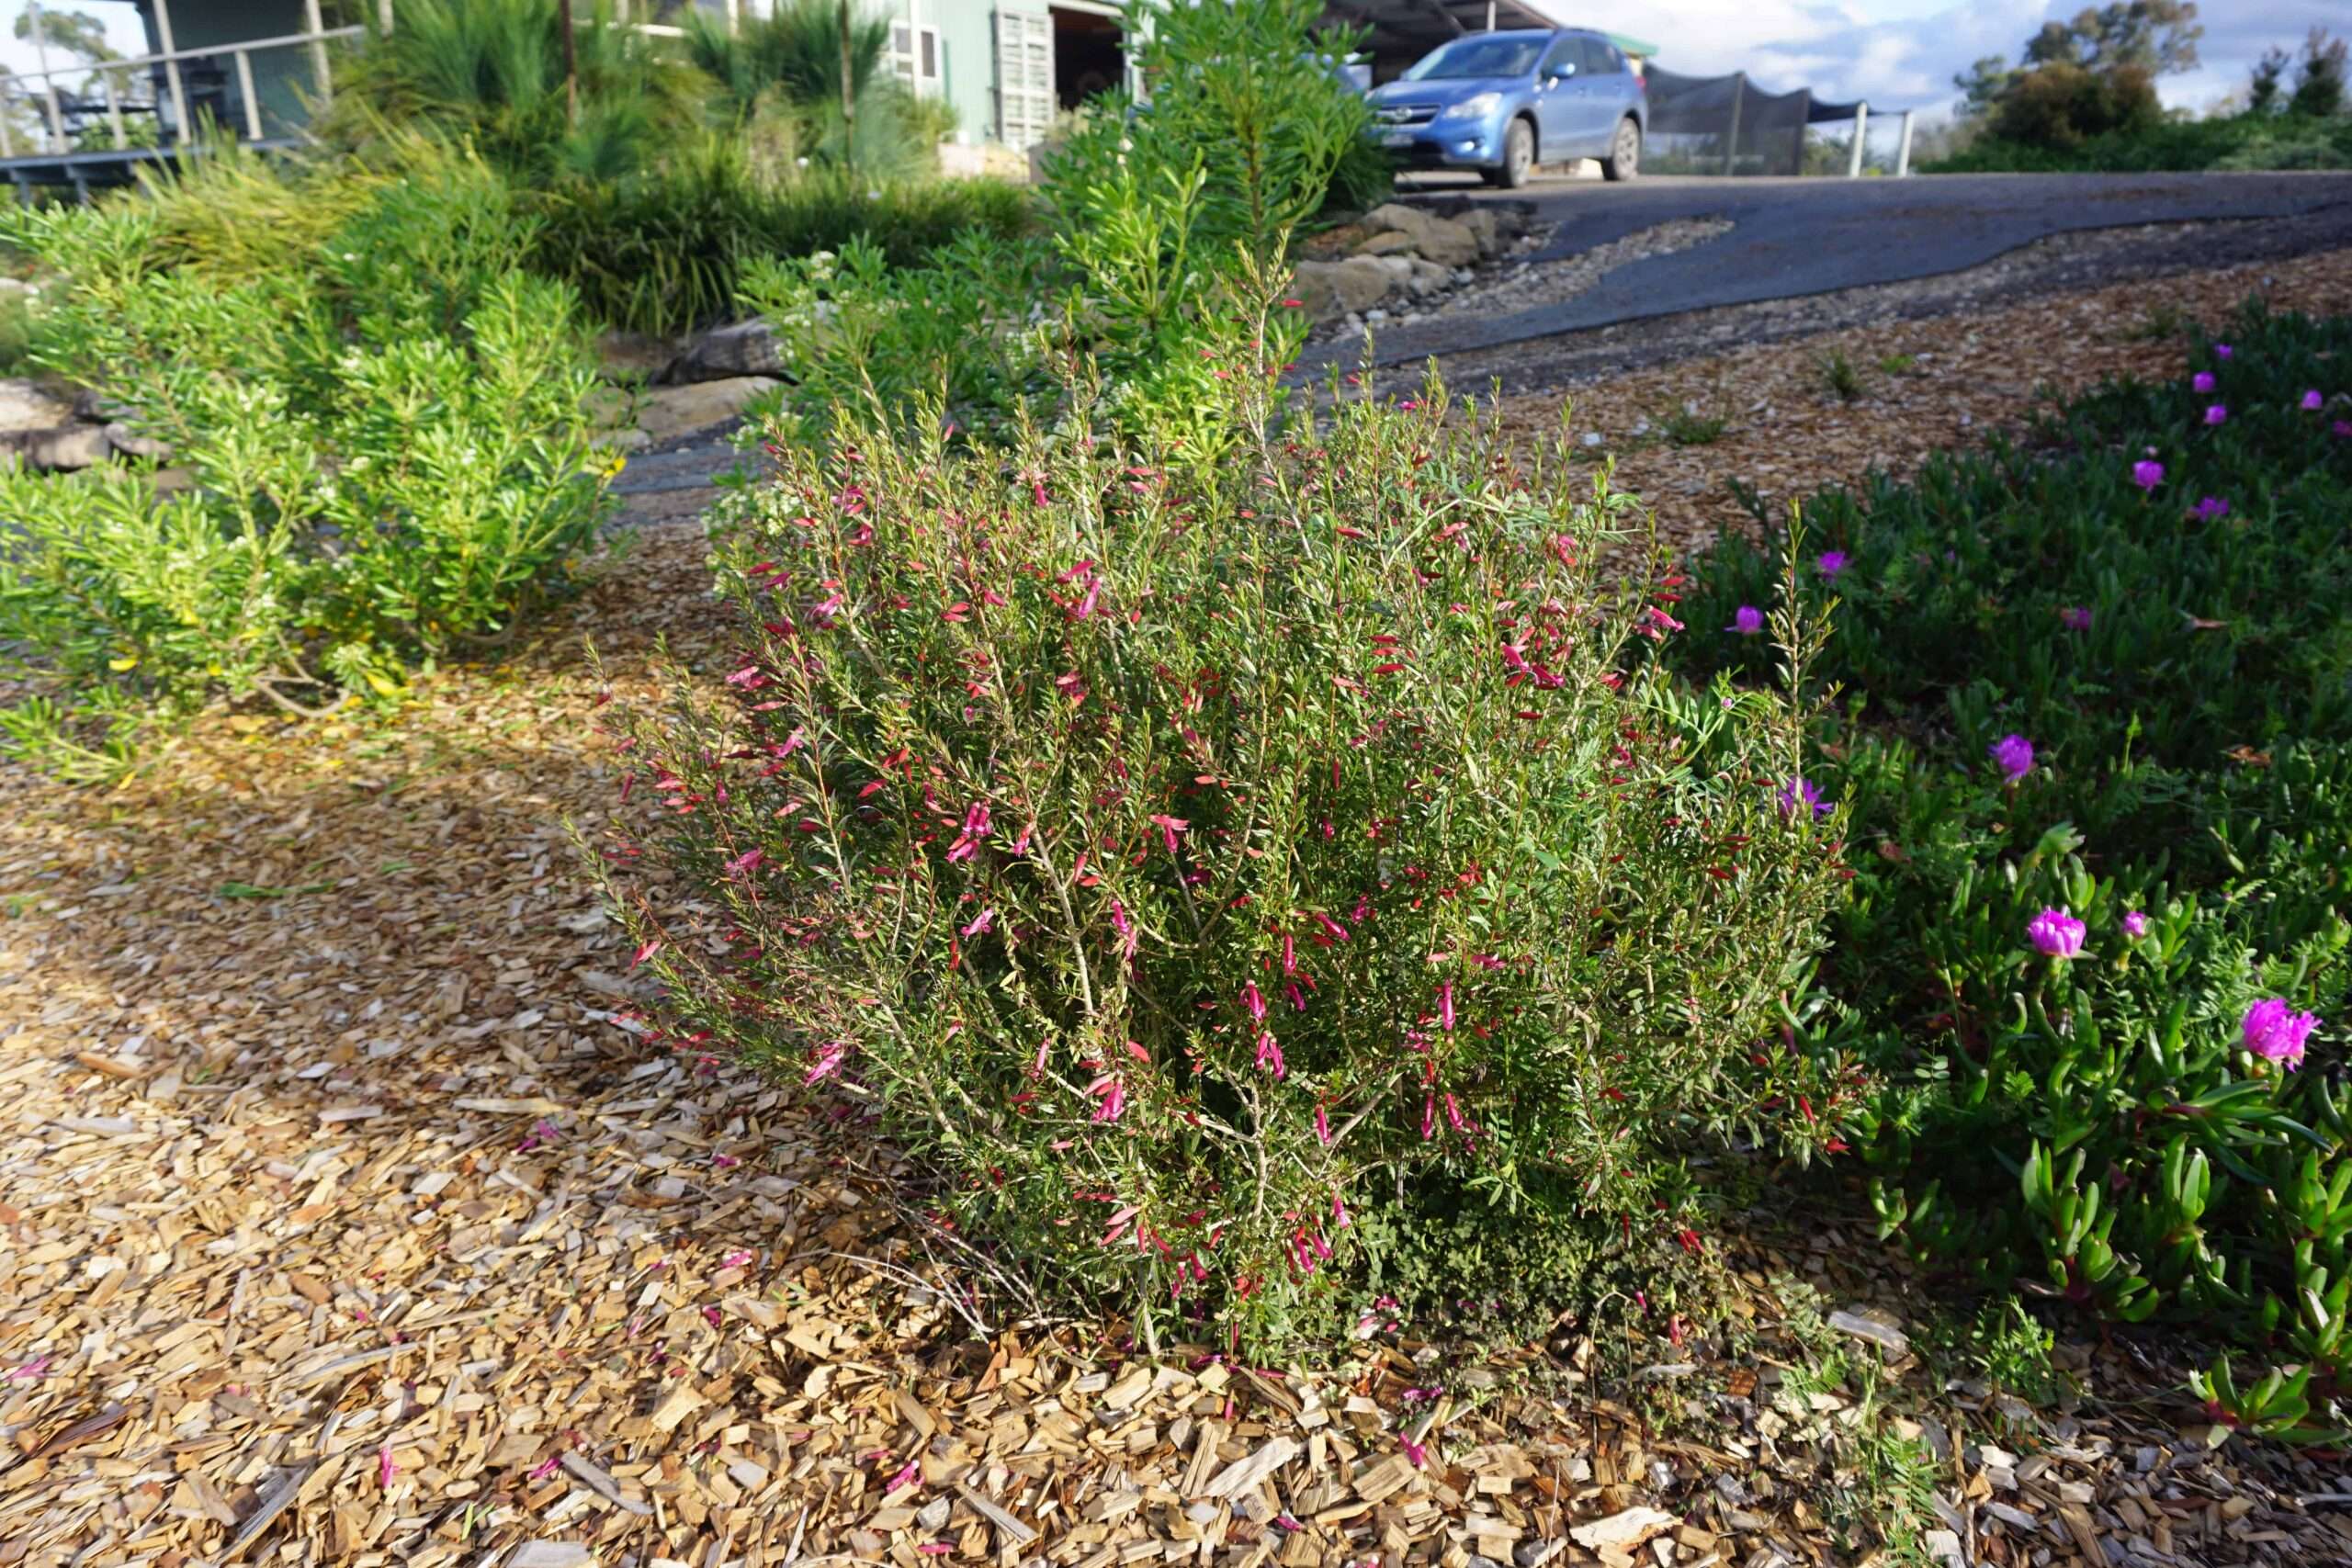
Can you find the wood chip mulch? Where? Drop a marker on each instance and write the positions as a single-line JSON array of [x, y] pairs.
[[341, 1222], [1967, 376]]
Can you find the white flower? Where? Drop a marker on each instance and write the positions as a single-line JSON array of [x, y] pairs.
[[804, 163]]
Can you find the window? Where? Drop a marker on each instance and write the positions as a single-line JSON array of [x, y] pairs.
[[1500, 54], [1566, 59], [1601, 59], [914, 56]]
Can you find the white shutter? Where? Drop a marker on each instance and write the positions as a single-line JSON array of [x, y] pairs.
[[1024, 77]]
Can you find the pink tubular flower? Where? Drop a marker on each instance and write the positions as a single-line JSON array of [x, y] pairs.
[[1322, 1127], [1168, 828], [1113, 1092], [980, 922], [2216, 413], [2147, 473], [2276, 1032], [827, 1062], [2313, 402], [1253, 1000], [2056, 933], [2135, 924], [2076, 618], [1124, 927], [2013, 754], [1445, 1006], [1747, 620], [976, 831], [1269, 1055], [2202, 381]]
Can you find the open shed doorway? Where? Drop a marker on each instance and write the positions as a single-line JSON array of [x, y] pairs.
[[1089, 56]]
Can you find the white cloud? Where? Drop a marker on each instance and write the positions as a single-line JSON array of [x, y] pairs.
[[1903, 53]]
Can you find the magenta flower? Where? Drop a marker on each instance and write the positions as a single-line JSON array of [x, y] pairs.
[[2202, 380], [1168, 828], [1445, 1006], [2147, 473], [1269, 1055], [2222, 351], [2135, 924], [1799, 791], [2075, 617], [1253, 1000], [2212, 509], [2215, 413], [1747, 620], [826, 1063], [2276, 1032], [980, 922], [2056, 933], [976, 829], [1831, 562], [2313, 402], [2013, 754], [1113, 1093], [2344, 428]]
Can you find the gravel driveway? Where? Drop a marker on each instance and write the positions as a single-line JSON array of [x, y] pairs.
[[1793, 238]]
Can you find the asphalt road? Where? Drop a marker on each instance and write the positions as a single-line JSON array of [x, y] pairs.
[[1797, 237]]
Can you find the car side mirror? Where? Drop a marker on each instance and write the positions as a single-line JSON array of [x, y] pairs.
[[1559, 72]]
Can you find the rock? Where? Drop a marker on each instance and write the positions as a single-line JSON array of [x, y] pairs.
[[549, 1554], [25, 405], [1441, 240], [1535, 1554], [637, 355], [123, 439], [1332, 289], [668, 412], [65, 447], [1388, 241], [1622, 1532], [739, 348], [933, 1516], [1428, 277], [1485, 229], [1399, 269]]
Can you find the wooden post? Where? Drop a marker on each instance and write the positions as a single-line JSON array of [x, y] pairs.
[[849, 90], [180, 127], [1861, 129], [245, 92], [1902, 147], [312, 23], [734, 18], [383, 15], [1731, 143], [571, 63], [48, 83], [114, 111]]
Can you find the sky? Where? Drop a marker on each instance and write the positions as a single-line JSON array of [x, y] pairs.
[[1896, 53]]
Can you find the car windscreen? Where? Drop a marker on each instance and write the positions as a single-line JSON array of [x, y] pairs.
[[1469, 57]]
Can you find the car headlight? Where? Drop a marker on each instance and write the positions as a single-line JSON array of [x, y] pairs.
[[1476, 107]]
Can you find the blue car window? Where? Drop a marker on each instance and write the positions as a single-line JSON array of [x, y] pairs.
[[1565, 59], [1599, 60], [1472, 56]]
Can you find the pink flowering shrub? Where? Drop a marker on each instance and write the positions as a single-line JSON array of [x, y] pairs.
[[1185, 860]]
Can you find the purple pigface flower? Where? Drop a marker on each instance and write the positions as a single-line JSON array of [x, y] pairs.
[[1799, 791], [1747, 620], [2147, 473], [2013, 754], [2313, 402], [2215, 413], [2212, 509], [1830, 562], [2276, 1032], [2056, 933], [2222, 351], [2344, 428], [2202, 381], [2076, 618], [2135, 924]]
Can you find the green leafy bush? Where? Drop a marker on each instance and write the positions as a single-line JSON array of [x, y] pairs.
[[2221, 142], [781, 75], [384, 451], [1188, 857], [1163, 220], [2150, 597]]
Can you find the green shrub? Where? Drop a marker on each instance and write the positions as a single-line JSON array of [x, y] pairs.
[[2155, 595], [2230, 141], [788, 66], [385, 452], [1186, 856], [2061, 103], [668, 253]]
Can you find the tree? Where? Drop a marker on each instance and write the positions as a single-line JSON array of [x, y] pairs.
[[2263, 82], [2319, 76], [2156, 36], [1983, 83]]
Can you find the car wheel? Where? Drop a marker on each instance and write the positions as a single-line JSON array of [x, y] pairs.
[[1518, 155], [1625, 159]]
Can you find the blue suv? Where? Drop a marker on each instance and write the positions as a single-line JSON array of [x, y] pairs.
[[1500, 103]]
